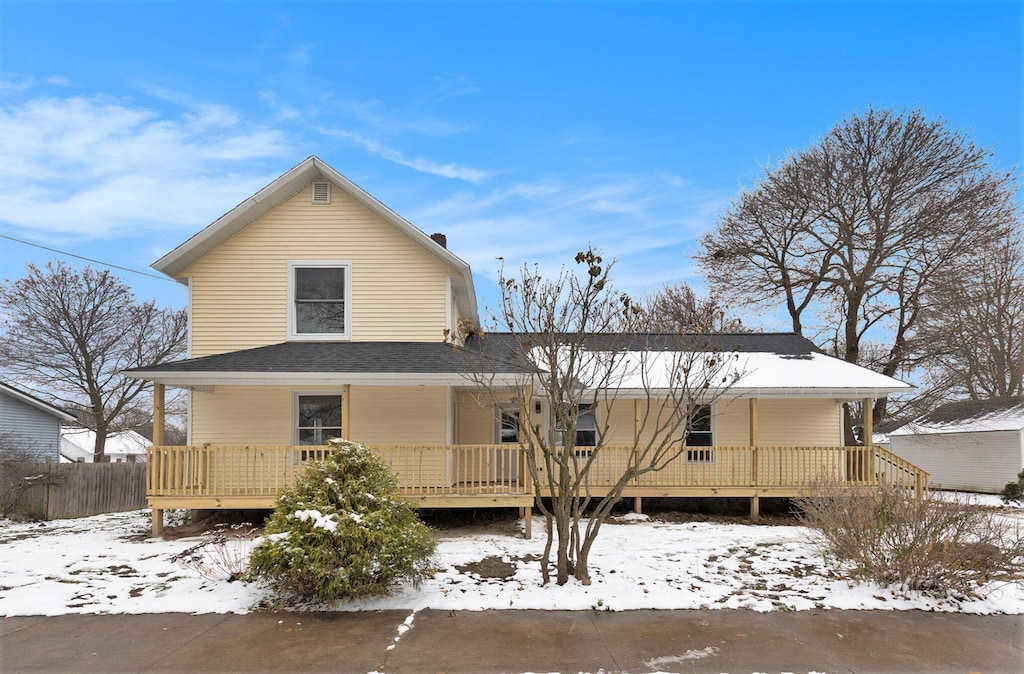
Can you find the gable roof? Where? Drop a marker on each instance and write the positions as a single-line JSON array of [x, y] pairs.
[[285, 187], [967, 416], [33, 401]]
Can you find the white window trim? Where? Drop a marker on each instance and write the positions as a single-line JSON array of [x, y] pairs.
[[293, 335], [296, 393], [503, 407], [713, 411]]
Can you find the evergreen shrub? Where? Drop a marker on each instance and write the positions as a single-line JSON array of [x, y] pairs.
[[342, 532]]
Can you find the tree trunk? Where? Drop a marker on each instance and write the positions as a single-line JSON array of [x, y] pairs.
[[101, 442]]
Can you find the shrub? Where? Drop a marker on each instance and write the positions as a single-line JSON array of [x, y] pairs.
[[887, 536], [342, 532], [222, 554], [1014, 491]]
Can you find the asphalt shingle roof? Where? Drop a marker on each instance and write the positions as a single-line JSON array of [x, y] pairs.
[[350, 357], [966, 410], [494, 350]]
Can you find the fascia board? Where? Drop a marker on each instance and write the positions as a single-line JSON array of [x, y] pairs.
[[199, 380], [284, 187], [378, 208], [235, 220], [38, 404]]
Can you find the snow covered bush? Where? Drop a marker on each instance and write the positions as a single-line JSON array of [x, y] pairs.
[[1014, 491], [342, 532], [936, 546]]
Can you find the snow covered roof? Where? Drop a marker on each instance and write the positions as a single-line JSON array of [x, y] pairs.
[[752, 374], [78, 443], [969, 416]]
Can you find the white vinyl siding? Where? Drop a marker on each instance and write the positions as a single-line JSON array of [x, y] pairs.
[[979, 461]]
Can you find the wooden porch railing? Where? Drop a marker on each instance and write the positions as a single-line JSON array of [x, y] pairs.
[[435, 472]]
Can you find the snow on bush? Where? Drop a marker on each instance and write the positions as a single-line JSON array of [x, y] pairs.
[[342, 532]]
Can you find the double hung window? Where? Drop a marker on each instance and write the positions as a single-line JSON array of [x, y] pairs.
[[318, 418], [700, 435], [319, 296], [586, 428]]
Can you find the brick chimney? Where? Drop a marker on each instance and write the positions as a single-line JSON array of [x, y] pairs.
[[440, 239]]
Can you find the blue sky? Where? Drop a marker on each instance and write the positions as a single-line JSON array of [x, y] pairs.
[[524, 130]]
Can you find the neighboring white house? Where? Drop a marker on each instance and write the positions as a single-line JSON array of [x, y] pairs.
[[30, 427], [76, 445], [971, 445]]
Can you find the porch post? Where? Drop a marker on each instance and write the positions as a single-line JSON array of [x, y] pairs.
[[526, 417], [755, 503], [346, 406], [636, 422], [867, 432], [638, 501], [158, 414], [158, 440]]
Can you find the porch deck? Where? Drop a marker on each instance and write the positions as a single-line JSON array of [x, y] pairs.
[[495, 476]]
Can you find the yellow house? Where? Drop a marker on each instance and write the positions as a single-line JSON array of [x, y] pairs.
[[315, 311]]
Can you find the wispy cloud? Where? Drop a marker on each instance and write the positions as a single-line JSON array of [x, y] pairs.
[[85, 167], [649, 223], [450, 170]]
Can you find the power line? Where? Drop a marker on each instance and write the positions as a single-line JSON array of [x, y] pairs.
[[87, 259]]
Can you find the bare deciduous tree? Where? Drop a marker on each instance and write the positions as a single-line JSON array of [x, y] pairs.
[[586, 350], [71, 333], [973, 331], [676, 308], [852, 231]]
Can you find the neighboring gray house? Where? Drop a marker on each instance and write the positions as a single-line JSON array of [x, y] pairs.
[[971, 445], [29, 425]]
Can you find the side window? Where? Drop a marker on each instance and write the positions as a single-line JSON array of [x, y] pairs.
[[319, 300], [586, 428], [700, 435], [318, 419]]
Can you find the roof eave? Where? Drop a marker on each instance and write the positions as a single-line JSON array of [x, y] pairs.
[[38, 404], [284, 187], [200, 380]]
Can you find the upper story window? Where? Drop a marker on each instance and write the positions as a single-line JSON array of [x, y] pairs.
[[319, 300]]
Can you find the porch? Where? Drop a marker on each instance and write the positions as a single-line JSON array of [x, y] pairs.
[[495, 475]]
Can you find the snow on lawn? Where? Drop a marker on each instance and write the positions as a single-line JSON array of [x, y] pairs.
[[105, 564]]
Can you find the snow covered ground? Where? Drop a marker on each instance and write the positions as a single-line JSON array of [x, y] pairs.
[[106, 564]]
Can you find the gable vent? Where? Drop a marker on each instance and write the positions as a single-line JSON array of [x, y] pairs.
[[321, 192]]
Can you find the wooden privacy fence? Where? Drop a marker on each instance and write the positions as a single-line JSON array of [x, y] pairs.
[[67, 490]]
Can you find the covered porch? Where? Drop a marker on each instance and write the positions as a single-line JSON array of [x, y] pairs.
[[494, 476], [257, 416]]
